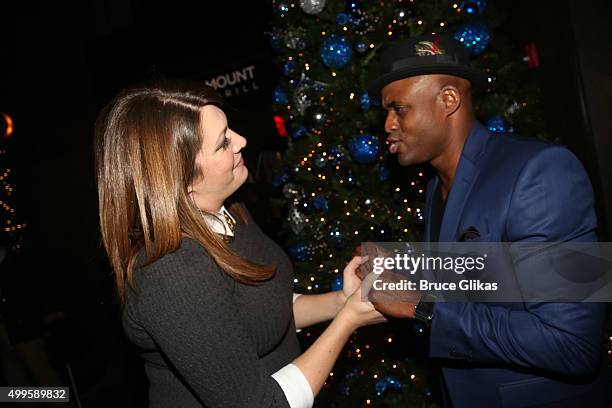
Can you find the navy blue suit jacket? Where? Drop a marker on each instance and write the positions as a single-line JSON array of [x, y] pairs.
[[514, 189]]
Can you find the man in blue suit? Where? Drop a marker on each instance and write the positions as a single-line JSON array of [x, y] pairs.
[[492, 188]]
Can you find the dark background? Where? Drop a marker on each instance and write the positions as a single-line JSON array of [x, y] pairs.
[[62, 61]]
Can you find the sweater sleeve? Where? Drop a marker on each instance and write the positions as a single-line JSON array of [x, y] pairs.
[[185, 304]]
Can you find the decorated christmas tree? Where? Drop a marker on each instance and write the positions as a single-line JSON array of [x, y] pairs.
[[341, 185]]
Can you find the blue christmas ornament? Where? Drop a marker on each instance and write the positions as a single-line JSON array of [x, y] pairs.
[[342, 19], [474, 36], [365, 101], [299, 132], [364, 148], [383, 173], [280, 96], [393, 383], [301, 252], [276, 42], [496, 124], [320, 203], [361, 47], [289, 68], [320, 161], [473, 7], [335, 51], [337, 283], [381, 386]]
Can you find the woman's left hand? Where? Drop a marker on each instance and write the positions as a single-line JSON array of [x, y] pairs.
[[351, 280]]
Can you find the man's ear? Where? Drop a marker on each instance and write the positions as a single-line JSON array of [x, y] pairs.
[[450, 98]]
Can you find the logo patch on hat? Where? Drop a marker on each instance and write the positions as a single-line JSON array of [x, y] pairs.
[[424, 48]]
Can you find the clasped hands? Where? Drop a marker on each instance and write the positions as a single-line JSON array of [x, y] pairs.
[[358, 276]]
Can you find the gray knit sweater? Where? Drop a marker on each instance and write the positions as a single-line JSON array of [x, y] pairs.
[[206, 339]]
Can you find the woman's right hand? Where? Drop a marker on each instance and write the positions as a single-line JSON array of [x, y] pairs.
[[359, 311]]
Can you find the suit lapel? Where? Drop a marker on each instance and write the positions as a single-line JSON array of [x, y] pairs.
[[465, 177]]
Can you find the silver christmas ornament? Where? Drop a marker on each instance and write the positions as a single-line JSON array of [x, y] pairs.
[[290, 190], [312, 7], [296, 219]]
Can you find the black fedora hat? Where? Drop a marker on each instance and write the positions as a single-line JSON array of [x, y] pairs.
[[424, 55]]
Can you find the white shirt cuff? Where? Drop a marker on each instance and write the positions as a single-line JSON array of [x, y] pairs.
[[295, 386]]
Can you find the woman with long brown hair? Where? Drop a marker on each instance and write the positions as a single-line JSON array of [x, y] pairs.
[[207, 297]]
